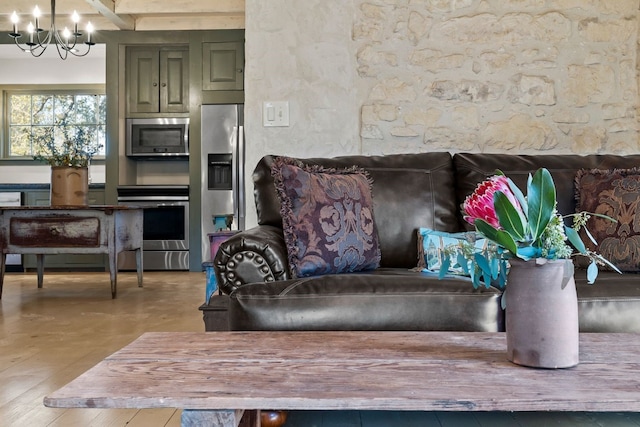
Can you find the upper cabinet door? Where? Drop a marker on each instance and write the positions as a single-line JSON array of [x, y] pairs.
[[143, 79], [157, 79], [174, 81], [223, 66]]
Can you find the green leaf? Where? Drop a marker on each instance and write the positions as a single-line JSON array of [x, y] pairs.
[[519, 196], [505, 240], [486, 229], [444, 267], [575, 239], [541, 199], [482, 262], [510, 218]]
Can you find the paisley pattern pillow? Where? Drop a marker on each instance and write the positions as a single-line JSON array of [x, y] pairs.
[[327, 217], [615, 193]]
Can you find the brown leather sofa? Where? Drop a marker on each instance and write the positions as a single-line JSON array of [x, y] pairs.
[[409, 191]]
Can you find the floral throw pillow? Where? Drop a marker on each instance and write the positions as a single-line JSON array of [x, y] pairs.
[[454, 253], [327, 217], [615, 193]]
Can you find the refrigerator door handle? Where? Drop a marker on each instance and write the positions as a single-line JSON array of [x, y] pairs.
[[234, 172], [239, 194]]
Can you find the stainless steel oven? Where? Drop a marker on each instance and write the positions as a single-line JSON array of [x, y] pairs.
[[165, 225]]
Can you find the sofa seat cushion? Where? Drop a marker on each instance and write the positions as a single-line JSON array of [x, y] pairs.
[[611, 304], [384, 299]]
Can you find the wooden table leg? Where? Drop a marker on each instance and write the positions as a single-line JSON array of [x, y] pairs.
[[113, 272], [211, 418], [40, 268], [3, 263], [139, 266]]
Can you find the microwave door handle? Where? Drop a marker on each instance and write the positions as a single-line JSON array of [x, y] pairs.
[[241, 179]]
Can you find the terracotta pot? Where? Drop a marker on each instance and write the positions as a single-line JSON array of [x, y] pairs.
[[542, 314], [69, 186]]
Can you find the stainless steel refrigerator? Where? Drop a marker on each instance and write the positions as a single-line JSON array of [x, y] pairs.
[[223, 200]]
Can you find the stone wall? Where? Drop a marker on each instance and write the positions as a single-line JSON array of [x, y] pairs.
[[392, 76], [525, 75]]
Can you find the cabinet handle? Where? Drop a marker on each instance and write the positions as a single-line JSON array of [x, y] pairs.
[[239, 70], [54, 230], [164, 85], [155, 84]]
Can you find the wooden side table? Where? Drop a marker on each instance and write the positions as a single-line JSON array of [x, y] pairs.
[[42, 230]]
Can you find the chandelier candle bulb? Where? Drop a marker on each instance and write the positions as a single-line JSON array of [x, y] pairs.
[[75, 18], [36, 15], [89, 31], [14, 21]]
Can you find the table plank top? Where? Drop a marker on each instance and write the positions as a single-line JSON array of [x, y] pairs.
[[424, 371]]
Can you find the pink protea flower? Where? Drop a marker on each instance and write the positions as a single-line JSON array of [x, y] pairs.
[[480, 203]]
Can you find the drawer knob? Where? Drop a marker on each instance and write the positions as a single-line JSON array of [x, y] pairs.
[[54, 230]]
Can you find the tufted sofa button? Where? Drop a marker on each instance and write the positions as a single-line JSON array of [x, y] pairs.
[[231, 275], [238, 257], [231, 264]]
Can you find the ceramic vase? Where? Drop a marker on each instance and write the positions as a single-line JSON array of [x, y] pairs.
[[69, 186], [542, 314]]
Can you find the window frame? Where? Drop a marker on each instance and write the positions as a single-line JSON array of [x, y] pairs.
[[44, 89]]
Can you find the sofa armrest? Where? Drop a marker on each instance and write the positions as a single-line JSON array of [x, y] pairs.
[[258, 254]]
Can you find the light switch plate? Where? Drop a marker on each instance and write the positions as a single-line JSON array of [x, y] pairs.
[[275, 113]]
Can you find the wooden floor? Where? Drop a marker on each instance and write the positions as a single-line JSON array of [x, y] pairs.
[[51, 335]]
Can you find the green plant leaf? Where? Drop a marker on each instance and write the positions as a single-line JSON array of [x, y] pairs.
[[575, 239], [444, 267], [519, 196], [541, 200], [486, 229], [510, 218], [505, 240]]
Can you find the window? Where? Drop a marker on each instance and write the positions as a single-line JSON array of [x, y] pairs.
[[32, 114]]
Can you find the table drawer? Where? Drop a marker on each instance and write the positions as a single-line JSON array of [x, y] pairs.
[[44, 232]]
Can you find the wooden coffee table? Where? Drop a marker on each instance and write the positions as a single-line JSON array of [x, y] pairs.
[[218, 375]]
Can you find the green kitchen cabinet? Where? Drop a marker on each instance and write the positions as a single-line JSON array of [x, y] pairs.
[[223, 66], [157, 79]]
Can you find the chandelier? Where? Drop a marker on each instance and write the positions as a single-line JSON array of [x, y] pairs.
[[66, 41]]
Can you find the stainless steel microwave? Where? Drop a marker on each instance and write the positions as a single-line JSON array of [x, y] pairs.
[[157, 137]]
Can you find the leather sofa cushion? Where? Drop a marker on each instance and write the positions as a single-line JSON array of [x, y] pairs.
[[386, 299], [611, 304], [409, 191]]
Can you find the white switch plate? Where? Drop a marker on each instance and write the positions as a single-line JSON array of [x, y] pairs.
[[275, 113]]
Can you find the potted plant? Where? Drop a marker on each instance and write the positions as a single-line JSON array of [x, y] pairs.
[[540, 296], [68, 150]]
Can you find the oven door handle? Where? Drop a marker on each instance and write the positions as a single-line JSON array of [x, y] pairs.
[[160, 199]]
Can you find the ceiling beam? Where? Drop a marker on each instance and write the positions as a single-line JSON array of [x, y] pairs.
[[195, 7], [107, 9], [191, 22]]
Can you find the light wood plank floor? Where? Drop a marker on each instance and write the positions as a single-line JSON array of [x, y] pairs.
[[51, 335]]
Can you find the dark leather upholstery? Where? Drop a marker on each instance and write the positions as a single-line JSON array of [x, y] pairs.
[[380, 300], [409, 191]]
